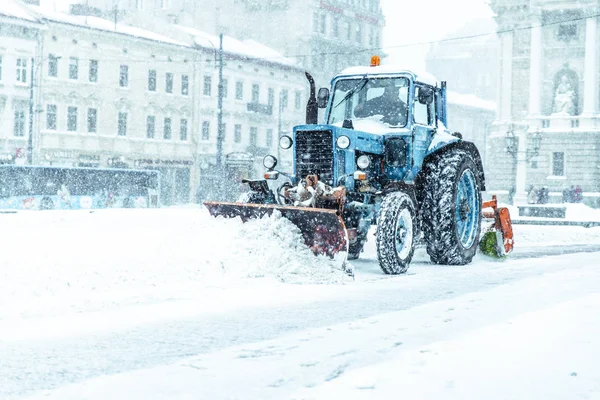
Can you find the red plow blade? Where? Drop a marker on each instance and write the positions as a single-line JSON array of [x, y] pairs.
[[323, 230]]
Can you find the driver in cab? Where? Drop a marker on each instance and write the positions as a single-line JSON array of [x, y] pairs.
[[388, 104]]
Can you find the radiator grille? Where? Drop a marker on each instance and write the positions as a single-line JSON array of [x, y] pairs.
[[314, 154]]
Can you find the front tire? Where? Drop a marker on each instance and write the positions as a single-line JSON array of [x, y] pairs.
[[451, 211], [395, 233]]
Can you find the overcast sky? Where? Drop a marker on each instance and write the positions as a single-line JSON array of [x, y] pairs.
[[408, 22]]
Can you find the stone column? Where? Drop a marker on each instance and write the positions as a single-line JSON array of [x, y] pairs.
[[590, 91], [521, 173], [535, 70], [506, 73]]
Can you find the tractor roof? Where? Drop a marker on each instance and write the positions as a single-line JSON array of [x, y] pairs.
[[419, 76]]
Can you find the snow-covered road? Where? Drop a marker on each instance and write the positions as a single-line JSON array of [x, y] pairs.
[[438, 332]]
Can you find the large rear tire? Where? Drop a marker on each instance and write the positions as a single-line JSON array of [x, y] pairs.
[[395, 233], [451, 210]]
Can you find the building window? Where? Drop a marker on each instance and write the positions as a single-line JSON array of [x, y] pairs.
[[207, 86], [167, 129], [567, 32], [19, 128], [269, 138], [359, 33], [93, 71], [316, 22], [348, 30], [336, 27], [271, 99], [51, 117], [152, 80], [255, 93], [0, 68], [73, 68], [239, 90], [72, 119], [139, 4], [323, 24], [183, 129], [298, 100], [124, 76], [22, 70], [558, 164], [122, 128], [253, 136], [164, 4], [185, 85], [92, 120], [169, 82], [205, 130], [225, 88], [237, 133], [52, 66], [284, 99], [150, 126]]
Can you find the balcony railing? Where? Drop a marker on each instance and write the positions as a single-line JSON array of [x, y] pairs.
[[260, 108]]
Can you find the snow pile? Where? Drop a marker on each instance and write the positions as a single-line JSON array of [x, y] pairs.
[[15, 9], [273, 247], [581, 212], [57, 260], [543, 236]]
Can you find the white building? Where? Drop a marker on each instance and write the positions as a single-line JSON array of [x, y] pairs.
[[324, 36], [19, 30], [111, 95], [115, 97], [549, 90], [264, 97]]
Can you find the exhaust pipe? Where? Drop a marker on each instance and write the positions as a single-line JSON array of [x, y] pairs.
[[312, 109]]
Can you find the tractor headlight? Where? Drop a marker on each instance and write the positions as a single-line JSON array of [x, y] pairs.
[[285, 142], [343, 142], [269, 162], [363, 162]]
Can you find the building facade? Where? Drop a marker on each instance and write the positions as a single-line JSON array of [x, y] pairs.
[[323, 36], [115, 95], [20, 33], [548, 98], [470, 65]]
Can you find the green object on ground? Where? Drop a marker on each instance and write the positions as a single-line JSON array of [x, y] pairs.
[[489, 245]]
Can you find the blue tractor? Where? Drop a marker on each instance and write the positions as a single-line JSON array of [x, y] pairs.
[[382, 156]]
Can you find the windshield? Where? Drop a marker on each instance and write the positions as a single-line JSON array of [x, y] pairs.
[[380, 99]]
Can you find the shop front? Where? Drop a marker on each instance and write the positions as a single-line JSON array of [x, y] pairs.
[[174, 178]]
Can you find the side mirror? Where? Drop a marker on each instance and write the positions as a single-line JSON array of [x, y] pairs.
[[323, 98], [425, 96]]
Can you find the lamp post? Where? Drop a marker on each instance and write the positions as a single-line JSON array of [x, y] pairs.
[[515, 141]]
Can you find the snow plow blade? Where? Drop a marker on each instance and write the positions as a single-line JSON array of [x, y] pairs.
[[323, 230], [498, 240]]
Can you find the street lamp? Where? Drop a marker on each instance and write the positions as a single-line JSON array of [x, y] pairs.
[[512, 146]]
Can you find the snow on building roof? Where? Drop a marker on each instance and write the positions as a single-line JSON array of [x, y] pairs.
[[102, 25], [470, 100], [244, 48], [15, 9], [420, 76]]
